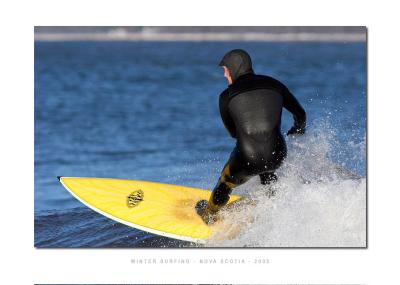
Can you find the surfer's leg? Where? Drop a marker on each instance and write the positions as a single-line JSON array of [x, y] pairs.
[[268, 178], [232, 175], [271, 165], [222, 191], [219, 197]]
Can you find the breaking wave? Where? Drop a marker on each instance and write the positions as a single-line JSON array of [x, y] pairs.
[[315, 203]]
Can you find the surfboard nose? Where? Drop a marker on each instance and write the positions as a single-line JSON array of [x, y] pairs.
[[59, 178]]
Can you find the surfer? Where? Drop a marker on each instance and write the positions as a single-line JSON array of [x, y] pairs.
[[251, 109]]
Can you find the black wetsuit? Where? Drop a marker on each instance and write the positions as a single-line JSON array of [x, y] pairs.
[[251, 109]]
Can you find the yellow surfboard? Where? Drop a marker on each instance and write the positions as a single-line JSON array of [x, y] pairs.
[[161, 209]]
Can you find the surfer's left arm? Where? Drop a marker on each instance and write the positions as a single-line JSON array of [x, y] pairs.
[[291, 104]]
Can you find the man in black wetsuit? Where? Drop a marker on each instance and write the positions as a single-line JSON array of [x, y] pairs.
[[251, 109]]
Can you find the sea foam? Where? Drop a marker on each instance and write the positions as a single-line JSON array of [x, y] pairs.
[[316, 203]]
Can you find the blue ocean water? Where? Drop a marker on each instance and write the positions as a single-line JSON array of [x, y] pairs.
[[149, 111]]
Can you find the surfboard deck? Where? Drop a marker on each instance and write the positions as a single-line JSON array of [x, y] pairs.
[[162, 209]]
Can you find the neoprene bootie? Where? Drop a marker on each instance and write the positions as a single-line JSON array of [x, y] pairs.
[[207, 211]]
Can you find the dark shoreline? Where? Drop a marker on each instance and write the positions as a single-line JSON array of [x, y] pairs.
[[271, 34]]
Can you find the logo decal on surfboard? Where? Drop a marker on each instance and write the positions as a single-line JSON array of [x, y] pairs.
[[135, 198]]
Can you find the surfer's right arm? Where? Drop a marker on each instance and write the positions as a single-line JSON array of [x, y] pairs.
[[224, 111], [291, 104]]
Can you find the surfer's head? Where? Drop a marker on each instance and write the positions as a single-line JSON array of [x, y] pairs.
[[236, 63]]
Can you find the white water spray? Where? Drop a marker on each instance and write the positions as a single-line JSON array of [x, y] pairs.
[[316, 203]]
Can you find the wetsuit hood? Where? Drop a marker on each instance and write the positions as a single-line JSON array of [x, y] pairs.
[[238, 63]]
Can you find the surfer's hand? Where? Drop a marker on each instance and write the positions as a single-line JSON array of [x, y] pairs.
[[296, 131]]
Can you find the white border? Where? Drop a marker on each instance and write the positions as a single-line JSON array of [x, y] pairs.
[[23, 264]]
